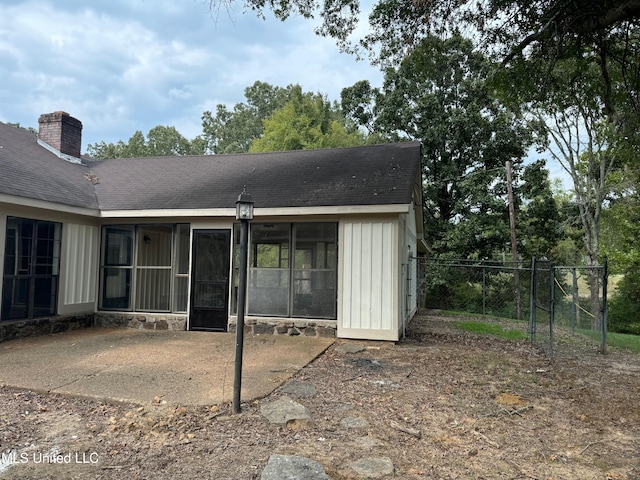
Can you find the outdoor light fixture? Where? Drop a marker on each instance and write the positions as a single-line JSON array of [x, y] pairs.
[[244, 213], [244, 206]]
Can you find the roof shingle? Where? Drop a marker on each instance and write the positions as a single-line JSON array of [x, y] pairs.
[[366, 175]]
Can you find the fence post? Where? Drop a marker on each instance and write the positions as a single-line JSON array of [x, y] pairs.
[[576, 301], [603, 323], [532, 302], [484, 291], [552, 306]]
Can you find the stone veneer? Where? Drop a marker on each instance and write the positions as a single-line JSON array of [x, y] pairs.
[[265, 326], [141, 321], [10, 330], [253, 326]]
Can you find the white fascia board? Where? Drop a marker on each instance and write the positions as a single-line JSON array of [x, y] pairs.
[[332, 210], [194, 212], [46, 205], [259, 212]]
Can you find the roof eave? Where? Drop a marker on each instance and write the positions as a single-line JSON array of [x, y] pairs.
[[260, 212], [48, 205]]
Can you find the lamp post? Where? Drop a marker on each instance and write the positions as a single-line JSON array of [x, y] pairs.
[[244, 213]]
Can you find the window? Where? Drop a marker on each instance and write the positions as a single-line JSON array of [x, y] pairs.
[[145, 268], [31, 268], [302, 284]]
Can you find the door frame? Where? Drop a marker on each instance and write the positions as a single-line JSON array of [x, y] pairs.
[[192, 277]]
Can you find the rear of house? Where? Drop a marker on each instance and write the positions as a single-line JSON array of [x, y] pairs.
[[152, 242]]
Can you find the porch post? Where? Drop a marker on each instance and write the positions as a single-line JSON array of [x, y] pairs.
[[244, 213]]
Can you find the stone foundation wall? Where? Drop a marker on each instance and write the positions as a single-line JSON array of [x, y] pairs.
[[141, 321], [44, 326], [48, 325], [253, 326]]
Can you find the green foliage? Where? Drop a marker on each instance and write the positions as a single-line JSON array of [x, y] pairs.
[[624, 305], [440, 95], [538, 220], [234, 131], [528, 36], [160, 141], [275, 119], [306, 121]]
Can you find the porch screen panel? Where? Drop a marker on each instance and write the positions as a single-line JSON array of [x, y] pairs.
[[118, 266], [153, 270], [314, 273], [31, 268], [145, 267], [181, 276], [269, 273]]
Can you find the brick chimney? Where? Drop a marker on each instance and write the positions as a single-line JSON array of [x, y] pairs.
[[62, 132]]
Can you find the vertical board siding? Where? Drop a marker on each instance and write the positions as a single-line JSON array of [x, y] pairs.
[[368, 295], [81, 263]]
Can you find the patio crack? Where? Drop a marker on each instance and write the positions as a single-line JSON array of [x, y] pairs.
[[75, 380]]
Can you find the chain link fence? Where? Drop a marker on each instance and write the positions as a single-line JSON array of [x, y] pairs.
[[554, 303]]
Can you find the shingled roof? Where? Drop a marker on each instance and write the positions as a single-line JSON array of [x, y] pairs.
[[368, 175], [28, 170]]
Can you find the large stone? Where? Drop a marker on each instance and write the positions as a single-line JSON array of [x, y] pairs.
[[292, 467], [354, 422], [162, 324], [374, 467], [263, 329], [349, 348], [299, 388], [368, 442], [326, 332], [286, 411]]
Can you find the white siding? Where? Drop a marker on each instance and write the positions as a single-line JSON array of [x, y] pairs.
[[80, 269], [408, 284], [368, 299]]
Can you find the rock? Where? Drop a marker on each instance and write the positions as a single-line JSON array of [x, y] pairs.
[[292, 467], [354, 422], [373, 467], [368, 442], [349, 348], [301, 389], [285, 411]]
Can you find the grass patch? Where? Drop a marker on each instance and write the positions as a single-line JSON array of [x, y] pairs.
[[491, 329], [616, 340], [624, 340]]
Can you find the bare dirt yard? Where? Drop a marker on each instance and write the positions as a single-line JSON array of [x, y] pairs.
[[441, 404]]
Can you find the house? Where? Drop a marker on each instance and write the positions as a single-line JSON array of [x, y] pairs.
[[152, 242]]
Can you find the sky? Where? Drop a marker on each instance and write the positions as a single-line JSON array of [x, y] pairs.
[[125, 65]]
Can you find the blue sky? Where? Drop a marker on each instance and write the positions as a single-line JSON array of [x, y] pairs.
[[126, 65]]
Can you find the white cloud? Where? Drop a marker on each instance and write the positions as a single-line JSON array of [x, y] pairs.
[[130, 65]]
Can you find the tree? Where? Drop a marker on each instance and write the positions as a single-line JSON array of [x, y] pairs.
[[587, 143], [306, 121], [539, 223], [440, 96], [234, 131], [510, 28], [160, 141]]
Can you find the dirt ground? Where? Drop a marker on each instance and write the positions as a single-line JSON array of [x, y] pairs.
[[442, 404]]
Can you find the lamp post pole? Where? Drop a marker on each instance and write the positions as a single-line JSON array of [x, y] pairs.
[[244, 213]]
